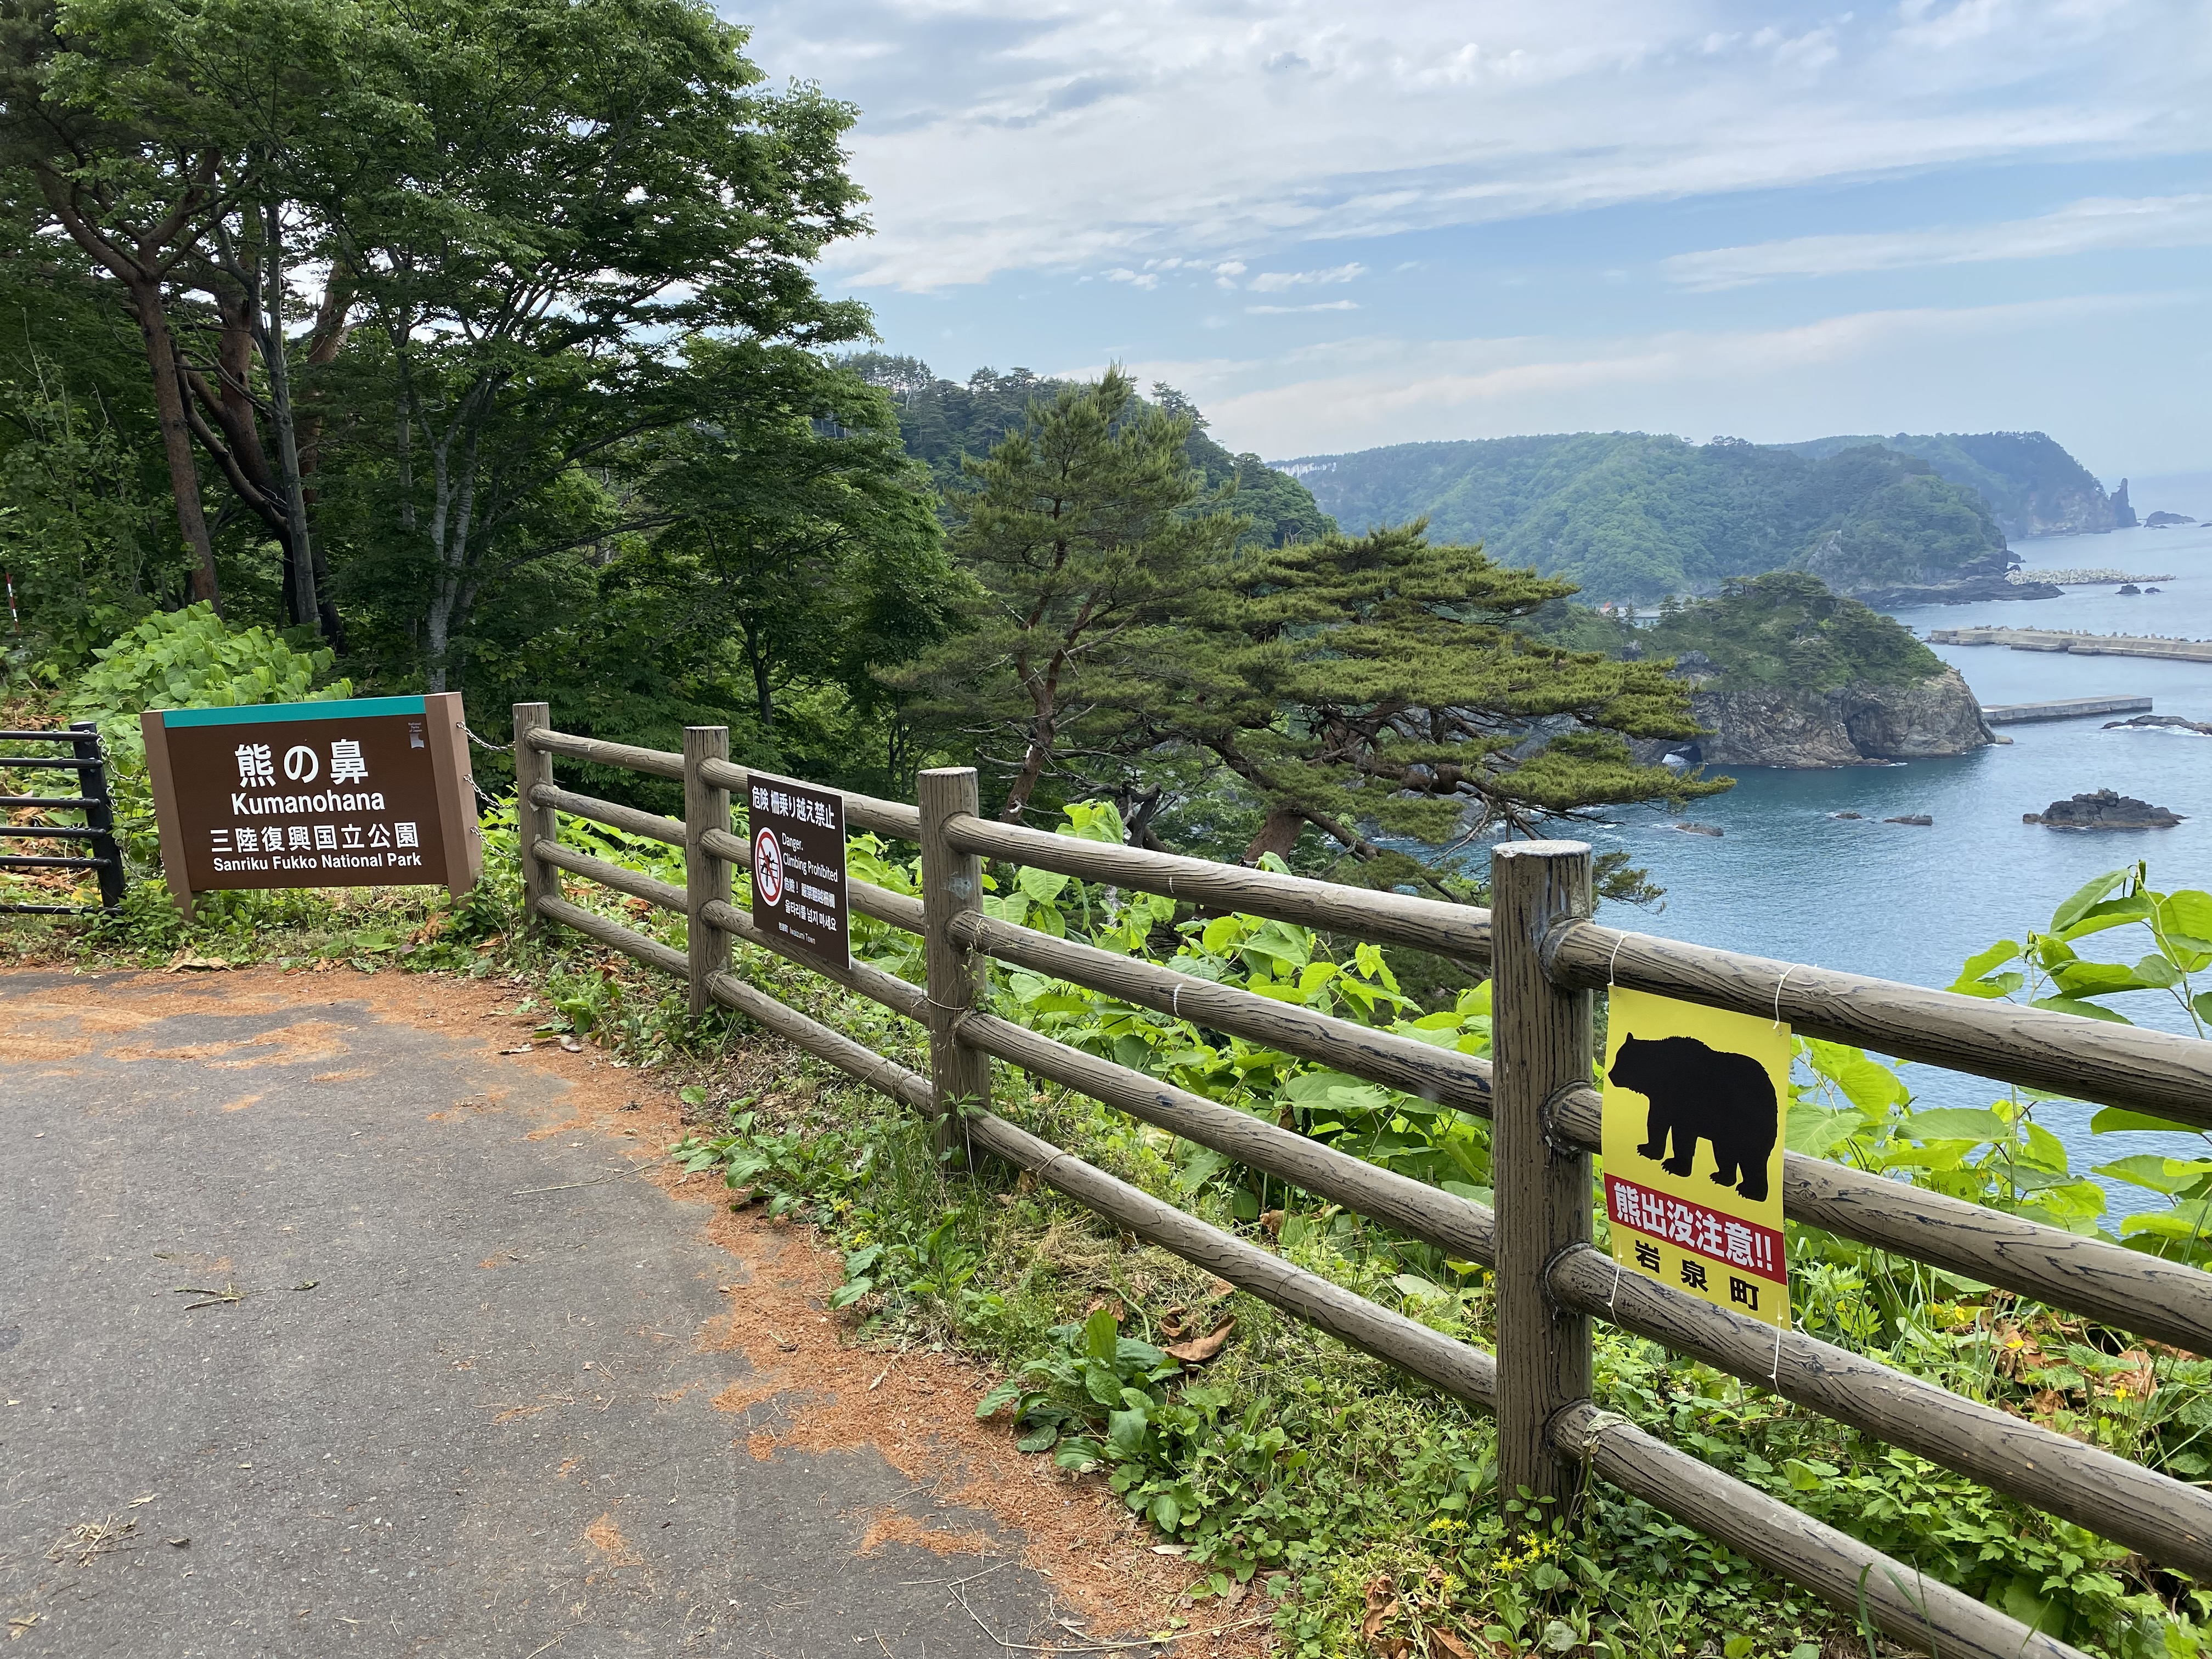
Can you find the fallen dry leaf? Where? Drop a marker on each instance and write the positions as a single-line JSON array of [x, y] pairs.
[[1381, 1604], [1200, 1349], [1449, 1646]]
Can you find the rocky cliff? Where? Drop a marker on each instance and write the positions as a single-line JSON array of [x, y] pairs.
[[1784, 672], [1853, 725], [1987, 578]]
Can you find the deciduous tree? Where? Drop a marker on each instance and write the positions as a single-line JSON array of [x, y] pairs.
[[541, 200]]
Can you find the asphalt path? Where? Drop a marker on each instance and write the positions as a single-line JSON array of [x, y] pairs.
[[298, 1359]]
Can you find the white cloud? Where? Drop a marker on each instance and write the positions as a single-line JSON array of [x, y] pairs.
[[1274, 282], [1285, 310], [1053, 135], [2095, 224], [1838, 373]]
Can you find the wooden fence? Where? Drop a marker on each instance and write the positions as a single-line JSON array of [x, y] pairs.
[[1546, 957], [101, 856]]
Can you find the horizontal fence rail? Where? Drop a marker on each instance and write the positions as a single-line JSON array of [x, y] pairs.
[[104, 856], [1453, 930], [1542, 946]]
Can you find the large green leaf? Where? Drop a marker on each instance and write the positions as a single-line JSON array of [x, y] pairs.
[[2098, 979], [1956, 1123], [2113, 1120], [1094, 820], [2186, 919], [2112, 913], [2086, 1010], [1971, 981], [1045, 884], [1101, 1336], [1816, 1133], [2192, 1220], [1126, 1432], [1867, 1083], [2162, 1175], [2095, 889], [2043, 1149], [1200, 1167]]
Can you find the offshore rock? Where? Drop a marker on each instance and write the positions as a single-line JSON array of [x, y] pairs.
[[2105, 810], [2160, 723]]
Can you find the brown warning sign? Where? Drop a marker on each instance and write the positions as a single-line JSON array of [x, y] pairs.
[[798, 869], [366, 791]]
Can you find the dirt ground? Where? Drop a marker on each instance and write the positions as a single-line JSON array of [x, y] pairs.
[[347, 1320]]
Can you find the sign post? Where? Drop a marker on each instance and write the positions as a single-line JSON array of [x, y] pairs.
[[365, 791], [1695, 1099], [799, 869]]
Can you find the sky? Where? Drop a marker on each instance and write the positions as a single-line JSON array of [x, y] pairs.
[[1335, 226]]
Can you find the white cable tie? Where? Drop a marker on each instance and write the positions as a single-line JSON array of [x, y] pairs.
[[1615, 1297], [1614, 961], [1778, 984]]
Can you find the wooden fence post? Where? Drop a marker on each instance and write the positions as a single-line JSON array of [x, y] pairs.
[[705, 876], [99, 810], [533, 823], [951, 882], [1540, 1045]]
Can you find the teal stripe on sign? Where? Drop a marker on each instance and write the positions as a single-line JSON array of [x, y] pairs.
[[252, 713]]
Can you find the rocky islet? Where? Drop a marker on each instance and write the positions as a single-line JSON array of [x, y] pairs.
[[2105, 809]]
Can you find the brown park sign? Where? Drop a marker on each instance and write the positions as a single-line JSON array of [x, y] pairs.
[[365, 791]]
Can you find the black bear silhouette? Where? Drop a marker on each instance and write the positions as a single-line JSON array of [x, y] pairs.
[[1700, 1093]]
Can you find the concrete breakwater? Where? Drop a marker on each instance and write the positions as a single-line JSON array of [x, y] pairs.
[[2096, 578], [2065, 708], [2079, 645]]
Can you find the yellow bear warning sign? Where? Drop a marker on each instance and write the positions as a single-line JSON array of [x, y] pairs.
[[1695, 1104]]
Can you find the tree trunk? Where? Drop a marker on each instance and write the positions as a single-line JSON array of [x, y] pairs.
[[176, 436], [1044, 732], [1278, 834], [307, 596], [324, 341], [763, 689], [137, 268]]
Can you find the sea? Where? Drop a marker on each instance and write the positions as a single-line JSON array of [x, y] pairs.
[[1787, 879]]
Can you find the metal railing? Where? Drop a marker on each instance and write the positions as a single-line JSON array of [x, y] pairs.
[[1546, 957], [87, 760]]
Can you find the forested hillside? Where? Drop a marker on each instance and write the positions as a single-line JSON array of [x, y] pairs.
[[1786, 629], [942, 421], [1628, 515], [2033, 486]]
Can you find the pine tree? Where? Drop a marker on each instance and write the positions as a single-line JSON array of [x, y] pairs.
[[1377, 686], [1086, 529]]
